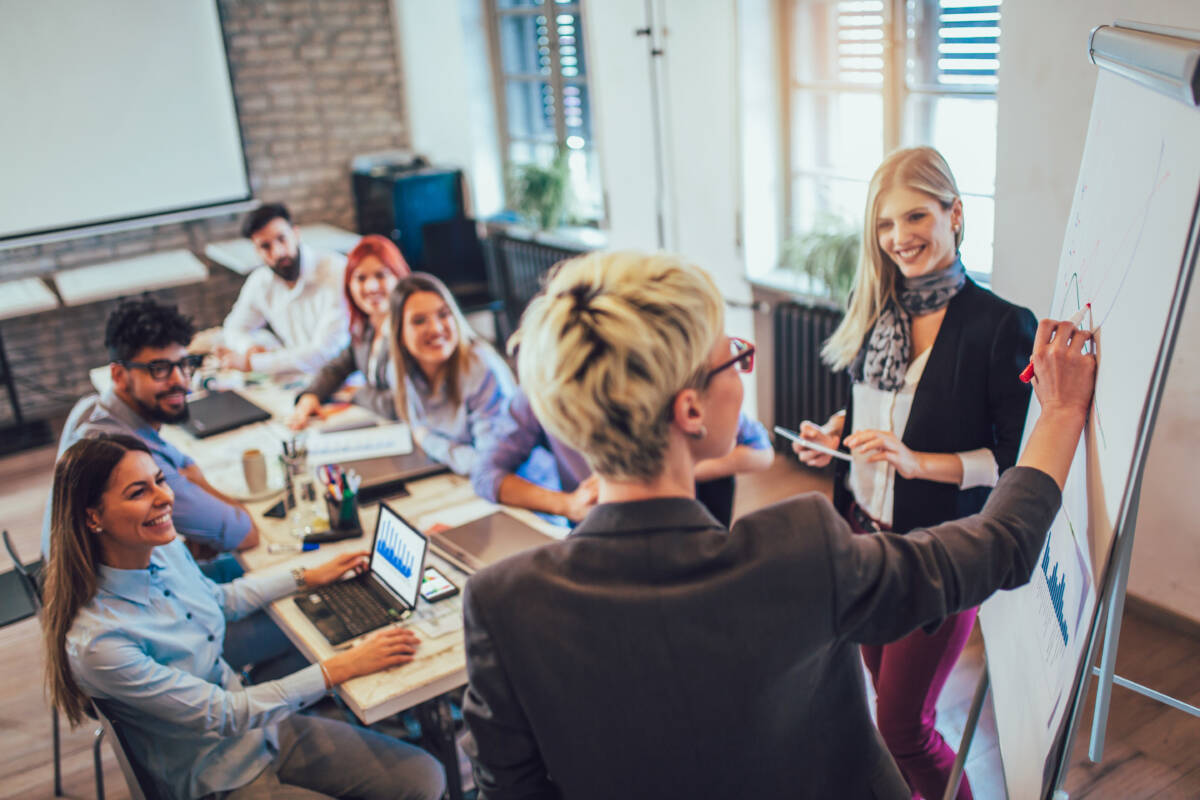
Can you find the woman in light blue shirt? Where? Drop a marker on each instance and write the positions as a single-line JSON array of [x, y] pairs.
[[132, 623], [454, 384]]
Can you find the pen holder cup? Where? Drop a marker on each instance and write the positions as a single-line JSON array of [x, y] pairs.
[[343, 515]]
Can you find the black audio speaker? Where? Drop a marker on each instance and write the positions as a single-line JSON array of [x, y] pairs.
[[397, 201]]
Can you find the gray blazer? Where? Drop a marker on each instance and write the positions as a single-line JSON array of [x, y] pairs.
[[376, 395], [653, 653]]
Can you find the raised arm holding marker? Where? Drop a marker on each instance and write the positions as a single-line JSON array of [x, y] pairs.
[[1076, 318]]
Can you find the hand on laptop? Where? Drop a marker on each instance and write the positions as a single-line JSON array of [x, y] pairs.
[[335, 568], [390, 647]]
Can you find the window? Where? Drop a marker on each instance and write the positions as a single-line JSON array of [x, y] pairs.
[[868, 76], [542, 93]]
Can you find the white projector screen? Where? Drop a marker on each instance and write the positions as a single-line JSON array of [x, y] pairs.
[[113, 110]]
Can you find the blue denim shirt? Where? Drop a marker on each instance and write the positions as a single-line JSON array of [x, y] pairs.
[[451, 433], [150, 643], [198, 515], [518, 439]]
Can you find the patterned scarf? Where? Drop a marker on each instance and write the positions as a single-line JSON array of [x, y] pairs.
[[883, 360]]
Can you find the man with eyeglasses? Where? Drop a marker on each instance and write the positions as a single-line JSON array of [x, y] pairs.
[[151, 369]]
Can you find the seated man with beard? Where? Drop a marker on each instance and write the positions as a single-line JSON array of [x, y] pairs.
[[150, 367], [291, 315]]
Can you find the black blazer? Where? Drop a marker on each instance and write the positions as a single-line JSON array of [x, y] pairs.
[[654, 654], [969, 396]]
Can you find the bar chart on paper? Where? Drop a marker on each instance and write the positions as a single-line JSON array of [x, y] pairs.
[[1061, 584], [1055, 586]]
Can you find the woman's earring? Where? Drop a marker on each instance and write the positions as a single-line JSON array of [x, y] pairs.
[[700, 434]]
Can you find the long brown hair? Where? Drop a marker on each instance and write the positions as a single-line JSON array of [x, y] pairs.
[[924, 170], [403, 361], [80, 479]]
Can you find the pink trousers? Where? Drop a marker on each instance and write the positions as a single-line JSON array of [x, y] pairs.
[[909, 675]]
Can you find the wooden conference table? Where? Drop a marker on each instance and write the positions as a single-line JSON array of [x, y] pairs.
[[440, 663]]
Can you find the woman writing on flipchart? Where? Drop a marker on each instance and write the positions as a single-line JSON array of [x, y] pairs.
[[656, 653], [935, 415]]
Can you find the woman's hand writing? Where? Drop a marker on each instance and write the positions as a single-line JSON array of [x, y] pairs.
[[1064, 375], [306, 406]]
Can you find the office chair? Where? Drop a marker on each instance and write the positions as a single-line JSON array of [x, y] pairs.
[[142, 785], [26, 575]]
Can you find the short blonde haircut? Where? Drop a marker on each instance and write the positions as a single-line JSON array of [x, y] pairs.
[[606, 346], [924, 170]]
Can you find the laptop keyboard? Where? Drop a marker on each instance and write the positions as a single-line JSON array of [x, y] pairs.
[[358, 608]]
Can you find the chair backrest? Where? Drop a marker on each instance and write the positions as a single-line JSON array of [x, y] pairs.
[[25, 577], [142, 785]]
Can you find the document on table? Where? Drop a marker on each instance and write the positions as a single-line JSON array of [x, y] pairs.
[[336, 447]]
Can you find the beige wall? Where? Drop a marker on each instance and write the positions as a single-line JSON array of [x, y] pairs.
[[1045, 95]]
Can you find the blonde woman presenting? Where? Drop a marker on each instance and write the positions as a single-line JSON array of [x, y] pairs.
[[935, 416]]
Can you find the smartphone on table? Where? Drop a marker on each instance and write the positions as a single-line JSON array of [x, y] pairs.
[[436, 586]]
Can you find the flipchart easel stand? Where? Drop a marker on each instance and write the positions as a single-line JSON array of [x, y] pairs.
[[1166, 60]]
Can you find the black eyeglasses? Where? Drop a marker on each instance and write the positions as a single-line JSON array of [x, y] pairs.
[[160, 368], [742, 353]]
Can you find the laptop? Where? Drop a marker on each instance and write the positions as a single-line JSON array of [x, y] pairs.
[[217, 412], [387, 592], [484, 541]]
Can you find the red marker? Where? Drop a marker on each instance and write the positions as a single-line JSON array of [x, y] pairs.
[[1027, 373]]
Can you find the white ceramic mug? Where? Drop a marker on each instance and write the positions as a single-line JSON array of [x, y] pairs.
[[254, 467]]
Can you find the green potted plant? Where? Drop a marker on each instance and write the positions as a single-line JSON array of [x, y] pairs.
[[828, 254], [538, 192]]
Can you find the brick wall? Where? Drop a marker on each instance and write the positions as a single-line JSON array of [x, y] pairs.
[[316, 83]]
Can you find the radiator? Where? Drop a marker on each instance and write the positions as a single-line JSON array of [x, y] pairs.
[[518, 267], [804, 387]]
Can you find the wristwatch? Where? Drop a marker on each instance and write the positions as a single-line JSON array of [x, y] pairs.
[[298, 577]]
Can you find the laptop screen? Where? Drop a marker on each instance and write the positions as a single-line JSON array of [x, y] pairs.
[[399, 556]]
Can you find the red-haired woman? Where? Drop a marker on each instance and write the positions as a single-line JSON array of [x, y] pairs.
[[373, 268]]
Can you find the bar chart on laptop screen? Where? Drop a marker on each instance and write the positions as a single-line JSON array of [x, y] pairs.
[[398, 556]]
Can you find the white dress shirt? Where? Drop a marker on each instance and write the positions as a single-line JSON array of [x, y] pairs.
[[310, 318], [873, 485]]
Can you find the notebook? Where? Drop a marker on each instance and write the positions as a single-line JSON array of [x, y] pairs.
[[217, 412], [385, 476], [484, 541], [387, 592]]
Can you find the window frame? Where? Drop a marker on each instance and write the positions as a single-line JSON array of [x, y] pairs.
[[894, 91], [493, 14]]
